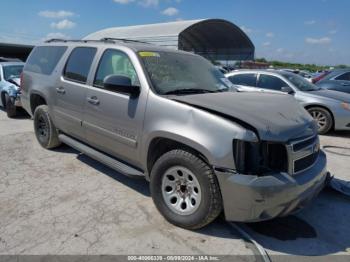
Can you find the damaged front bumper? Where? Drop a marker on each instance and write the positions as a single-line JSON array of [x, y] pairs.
[[250, 198]]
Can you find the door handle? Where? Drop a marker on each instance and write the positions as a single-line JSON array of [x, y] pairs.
[[60, 90], [93, 100]]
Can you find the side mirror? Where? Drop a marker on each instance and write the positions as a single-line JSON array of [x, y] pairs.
[[121, 84], [287, 89]]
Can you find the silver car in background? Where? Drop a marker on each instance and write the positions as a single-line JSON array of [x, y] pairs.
[[338, 80], [330, 109]]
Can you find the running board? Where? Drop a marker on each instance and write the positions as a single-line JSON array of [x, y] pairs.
[[101, 157]]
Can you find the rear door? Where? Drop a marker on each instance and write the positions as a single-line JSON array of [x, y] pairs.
[[342, 82], [71, 91], [113, 120]]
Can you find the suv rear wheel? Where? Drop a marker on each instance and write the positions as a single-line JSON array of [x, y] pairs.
[[11, 109], [185, 190], [45, 131], [323, 119]]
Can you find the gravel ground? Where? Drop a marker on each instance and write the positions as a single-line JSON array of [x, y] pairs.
[[62, 202]]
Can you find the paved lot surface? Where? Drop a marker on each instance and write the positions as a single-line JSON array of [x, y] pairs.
[[62, 202]]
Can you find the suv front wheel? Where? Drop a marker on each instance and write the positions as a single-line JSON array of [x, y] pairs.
[[45, 131], [185, 190]]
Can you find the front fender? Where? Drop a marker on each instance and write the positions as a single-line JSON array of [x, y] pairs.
[[207, 133]]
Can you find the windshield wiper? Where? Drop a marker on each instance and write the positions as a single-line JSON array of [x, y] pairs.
[[188, 91]]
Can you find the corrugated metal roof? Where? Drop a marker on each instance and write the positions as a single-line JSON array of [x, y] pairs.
[[213, 38], [8, 50]]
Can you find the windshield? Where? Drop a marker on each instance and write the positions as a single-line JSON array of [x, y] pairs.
[[13, 71], [301, 83], [176, 73]]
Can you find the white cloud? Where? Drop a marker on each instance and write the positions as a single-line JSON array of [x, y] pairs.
[[280, 50], [333, 32], [64, 24], [171, 11], [55, 36], [270, 34], [318, 41], [145, 3], [56, 14], [123, 2], [149, 3], [246, 29], [266, 44], [310, 22]]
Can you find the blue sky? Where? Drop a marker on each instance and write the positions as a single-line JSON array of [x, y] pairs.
[[307, 31]]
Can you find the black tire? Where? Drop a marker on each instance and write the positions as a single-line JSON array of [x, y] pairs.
[[210, 205], [10, 107], [45, 131], [323, 118]]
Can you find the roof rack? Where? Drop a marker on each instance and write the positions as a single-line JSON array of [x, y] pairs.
[[105, 39], [122, 40], [77, 40]]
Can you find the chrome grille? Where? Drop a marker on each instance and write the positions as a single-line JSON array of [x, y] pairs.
[[302, 154]]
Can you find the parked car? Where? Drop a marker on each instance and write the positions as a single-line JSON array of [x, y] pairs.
[[171, 117], [338, 79], [319, 75], [10, 86], [302, 73], [330, 109]]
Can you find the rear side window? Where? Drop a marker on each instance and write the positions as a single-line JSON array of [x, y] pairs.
[[271, 82], [344, 77], [244, 79], [79, 64], [43, 59]]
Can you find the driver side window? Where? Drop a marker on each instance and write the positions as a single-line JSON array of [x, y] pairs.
[[114, 62], [271, 82]]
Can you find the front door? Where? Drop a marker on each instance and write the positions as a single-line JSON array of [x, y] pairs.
[[113, 121], [270, 83]]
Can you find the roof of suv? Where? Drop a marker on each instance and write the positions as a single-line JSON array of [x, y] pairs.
[[134, 45]]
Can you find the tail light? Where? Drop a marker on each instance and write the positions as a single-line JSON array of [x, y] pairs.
[[21, 82]]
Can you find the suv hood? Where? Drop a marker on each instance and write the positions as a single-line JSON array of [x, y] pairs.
[[274, 117], [340, 96]]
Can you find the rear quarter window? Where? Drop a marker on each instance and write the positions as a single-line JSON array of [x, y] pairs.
[[43, 59]]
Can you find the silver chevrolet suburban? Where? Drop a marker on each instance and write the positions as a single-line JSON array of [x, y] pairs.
[[173, 118]]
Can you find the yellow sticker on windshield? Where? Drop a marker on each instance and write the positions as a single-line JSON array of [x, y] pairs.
[[149, 54]]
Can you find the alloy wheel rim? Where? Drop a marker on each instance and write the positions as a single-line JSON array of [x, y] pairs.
[[42, 127], [181, 190], [320, 118]]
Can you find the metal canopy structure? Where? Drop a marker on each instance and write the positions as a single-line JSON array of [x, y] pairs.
[[15, 51], [215, 39]]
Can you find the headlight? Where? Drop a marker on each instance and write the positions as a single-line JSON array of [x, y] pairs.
[[258, 158], [345, 106]]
